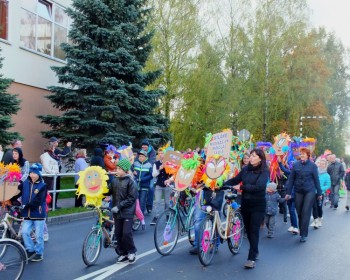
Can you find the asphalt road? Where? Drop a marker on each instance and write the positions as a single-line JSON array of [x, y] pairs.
[[325, 255]]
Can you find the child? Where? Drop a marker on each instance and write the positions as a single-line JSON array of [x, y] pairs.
[[33, 191], [272, 200], [124, 194]]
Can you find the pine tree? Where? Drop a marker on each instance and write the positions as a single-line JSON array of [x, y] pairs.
[[104, 95], [9, 105]]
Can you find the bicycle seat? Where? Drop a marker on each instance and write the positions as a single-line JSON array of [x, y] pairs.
[[230, 196]]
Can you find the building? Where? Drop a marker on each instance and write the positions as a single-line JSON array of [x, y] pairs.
[[31, 34]]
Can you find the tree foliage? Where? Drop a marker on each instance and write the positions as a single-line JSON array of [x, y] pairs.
[[103, 97], [9, 105]]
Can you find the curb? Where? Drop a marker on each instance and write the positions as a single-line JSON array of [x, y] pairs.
[[70, 217]]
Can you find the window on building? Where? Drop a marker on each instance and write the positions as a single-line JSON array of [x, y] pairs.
[[44, 27], [4, 19]]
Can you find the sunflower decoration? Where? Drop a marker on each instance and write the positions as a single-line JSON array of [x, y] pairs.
[[216, 172], [93, 184], [189, 173]]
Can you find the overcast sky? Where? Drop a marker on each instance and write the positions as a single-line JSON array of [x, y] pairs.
[[334, 15]]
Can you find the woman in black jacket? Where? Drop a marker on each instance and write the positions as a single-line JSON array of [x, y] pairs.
[[254, 178], [305, 181]]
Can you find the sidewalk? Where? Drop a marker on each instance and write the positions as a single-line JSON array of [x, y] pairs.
[[69, 203]]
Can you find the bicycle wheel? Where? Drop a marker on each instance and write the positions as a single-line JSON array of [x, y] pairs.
[[190, 227], [207, 241], [136, 224], [237, 229], [12, 260], [92, 246], [166, 232]]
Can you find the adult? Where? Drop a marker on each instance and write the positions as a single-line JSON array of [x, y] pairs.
[[17, 157], [305, 181], [79, 165], [60, 154], [7, 158], [1, 153], [161, 189], [97, 158], [336, 171], [152, 157], [254, 178], [49, 161]]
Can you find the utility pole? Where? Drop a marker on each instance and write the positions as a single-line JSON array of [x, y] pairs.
[[308, 117]]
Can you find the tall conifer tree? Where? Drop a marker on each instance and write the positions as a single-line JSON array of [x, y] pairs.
[[9, 105], [104, 96]]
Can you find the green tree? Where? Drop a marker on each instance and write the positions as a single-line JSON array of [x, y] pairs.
[[104, 95], [205, 105], [9, 105]]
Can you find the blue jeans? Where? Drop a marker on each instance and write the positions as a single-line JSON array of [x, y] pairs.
[[150, 196], [27, 226], [292, 213], [143, 198]]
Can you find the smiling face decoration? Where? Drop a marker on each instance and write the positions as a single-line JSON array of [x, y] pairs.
[[216, 172], [184, 178], [172, 162], [281, 144], [93, 184]]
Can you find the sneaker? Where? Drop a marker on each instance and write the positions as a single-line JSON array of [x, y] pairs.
[[122, 259], [154, 221], [313, 223], [295, 231], [37, 258], [270, 236], [290, 229], [132, 258], [30, 255], [303, 239], [46, 237], [194, 251], [249, 264], [335, 206], [347, 208], [319, 221], [143, 226], [316, 225]]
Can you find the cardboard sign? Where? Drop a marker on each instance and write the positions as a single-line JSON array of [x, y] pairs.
[[8, 190], [172, 161], [220, 144]]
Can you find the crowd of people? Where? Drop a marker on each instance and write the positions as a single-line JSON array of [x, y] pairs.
[[137, 186]]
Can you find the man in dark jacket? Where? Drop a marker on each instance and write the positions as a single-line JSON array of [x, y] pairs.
[[336, 171], [142, 170], [34, 192], [124, 194]]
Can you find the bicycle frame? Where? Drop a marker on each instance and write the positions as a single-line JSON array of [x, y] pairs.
[[179, 212], [6, 223]]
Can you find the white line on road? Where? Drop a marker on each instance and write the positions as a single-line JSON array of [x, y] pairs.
[[109, 270]]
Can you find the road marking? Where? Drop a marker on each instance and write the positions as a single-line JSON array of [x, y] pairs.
[[109, 270]]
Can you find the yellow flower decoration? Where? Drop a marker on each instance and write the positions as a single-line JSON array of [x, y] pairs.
[[93, 184]]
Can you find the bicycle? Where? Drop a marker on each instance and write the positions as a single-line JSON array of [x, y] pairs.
[[167, 229], [13, 258], [101, 234], [211, 228], [7, 224]]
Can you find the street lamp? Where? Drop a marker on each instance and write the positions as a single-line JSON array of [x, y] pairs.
[[308, 117]]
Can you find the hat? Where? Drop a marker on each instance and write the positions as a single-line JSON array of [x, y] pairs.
[[145, 142], [36, 168], [142, 152], [53, 139], [111, 148], [124, 164], [272, 186]]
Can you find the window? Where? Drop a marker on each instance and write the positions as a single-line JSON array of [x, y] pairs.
[[4, 19], [44, 27]]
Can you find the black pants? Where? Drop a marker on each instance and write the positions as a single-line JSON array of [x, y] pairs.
[[283, 205], [303, 205], [317, 211], [123, 233], [78, 200], [252, 219]]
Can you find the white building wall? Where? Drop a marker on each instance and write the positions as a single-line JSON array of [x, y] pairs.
[[22, 65]]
